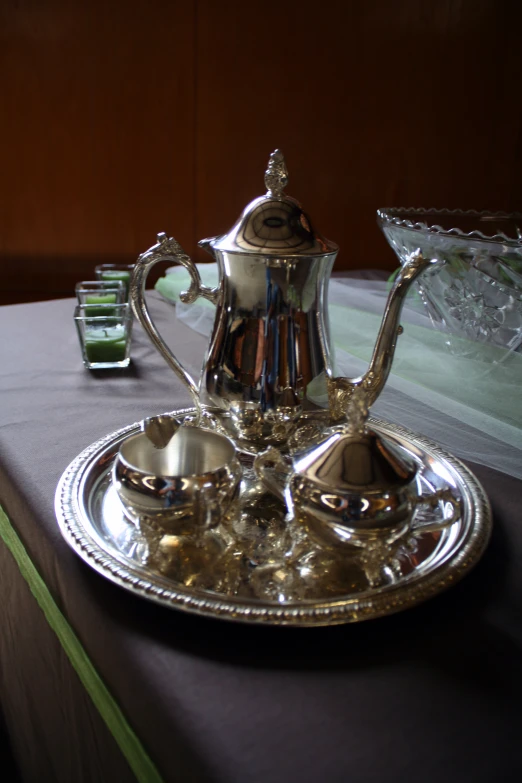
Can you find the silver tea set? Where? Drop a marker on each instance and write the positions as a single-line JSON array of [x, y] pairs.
[[257, 435]]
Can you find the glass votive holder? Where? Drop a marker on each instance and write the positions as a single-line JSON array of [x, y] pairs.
[[105, 339], [97, 295], [111, 272]]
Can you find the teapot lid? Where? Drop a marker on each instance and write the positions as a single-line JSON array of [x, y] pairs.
[[274, 224]]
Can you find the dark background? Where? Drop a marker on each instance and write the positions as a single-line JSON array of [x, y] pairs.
[[121, 119]]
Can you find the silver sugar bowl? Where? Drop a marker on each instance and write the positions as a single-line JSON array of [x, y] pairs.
[[353, 487]]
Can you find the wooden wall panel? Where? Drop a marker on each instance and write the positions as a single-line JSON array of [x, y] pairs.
[[119, 119], [97, 135], [374, 103]]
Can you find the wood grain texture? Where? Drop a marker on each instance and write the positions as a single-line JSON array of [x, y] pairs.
[[374, 103], [97, 135], [119, 120]]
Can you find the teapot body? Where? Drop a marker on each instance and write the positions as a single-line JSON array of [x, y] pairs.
[[268, 361], [269, 352]]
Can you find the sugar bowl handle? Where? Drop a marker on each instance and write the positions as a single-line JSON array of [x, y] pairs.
[[167, 249], [432, 500]]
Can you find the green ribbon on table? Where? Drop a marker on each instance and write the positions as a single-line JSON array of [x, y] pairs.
[[110, 712]]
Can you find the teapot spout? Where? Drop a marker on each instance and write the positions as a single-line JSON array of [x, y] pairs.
[[340, 390]]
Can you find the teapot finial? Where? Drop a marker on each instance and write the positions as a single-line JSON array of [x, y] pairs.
[[276, 175]]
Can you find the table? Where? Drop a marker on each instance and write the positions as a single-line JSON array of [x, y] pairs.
[[432, 694]]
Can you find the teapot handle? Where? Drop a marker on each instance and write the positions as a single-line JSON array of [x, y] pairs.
[[168, 249]]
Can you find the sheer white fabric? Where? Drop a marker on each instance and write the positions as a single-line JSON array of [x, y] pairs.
[[469, 401]]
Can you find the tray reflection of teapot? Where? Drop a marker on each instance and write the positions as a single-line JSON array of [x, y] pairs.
[[269, 354]]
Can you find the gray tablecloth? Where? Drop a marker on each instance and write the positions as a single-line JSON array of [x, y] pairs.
[[432, 694]]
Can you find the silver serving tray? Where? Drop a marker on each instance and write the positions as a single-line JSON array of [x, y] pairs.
[[254, 568]]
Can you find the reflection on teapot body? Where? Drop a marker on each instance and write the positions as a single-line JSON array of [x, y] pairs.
[[269, 356], [266, 342]]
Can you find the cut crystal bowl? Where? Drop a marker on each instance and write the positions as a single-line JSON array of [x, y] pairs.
[[475, 294]]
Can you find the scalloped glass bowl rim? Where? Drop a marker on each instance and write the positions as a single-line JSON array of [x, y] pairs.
[[392, 216]]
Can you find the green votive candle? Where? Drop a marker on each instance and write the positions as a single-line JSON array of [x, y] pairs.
[[117, 274], [97, 304], [105, 344], [104, 330]]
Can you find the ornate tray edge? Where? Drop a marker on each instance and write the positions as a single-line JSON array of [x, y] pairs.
[[331, 612]]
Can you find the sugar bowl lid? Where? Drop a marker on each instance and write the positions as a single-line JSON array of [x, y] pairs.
[[274, 224], [357, 461]]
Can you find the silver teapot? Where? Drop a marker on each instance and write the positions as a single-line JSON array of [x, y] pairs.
[[269, 354]]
